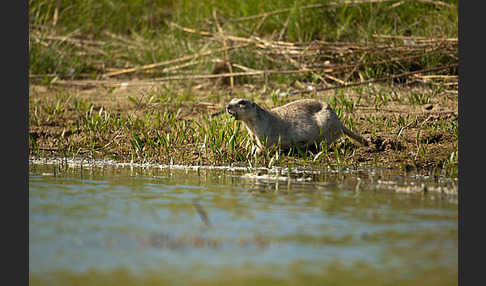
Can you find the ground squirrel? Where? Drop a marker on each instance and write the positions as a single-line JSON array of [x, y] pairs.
[[301, 123]]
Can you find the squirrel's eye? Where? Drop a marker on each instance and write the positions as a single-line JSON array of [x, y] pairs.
[[242, 103]]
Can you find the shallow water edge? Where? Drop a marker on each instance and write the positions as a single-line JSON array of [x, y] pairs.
[[133, 224], [386, 179]]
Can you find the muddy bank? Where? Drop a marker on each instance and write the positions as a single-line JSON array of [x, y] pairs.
[[410, 128]]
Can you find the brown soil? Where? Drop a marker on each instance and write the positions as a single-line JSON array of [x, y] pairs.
[[387, 148]]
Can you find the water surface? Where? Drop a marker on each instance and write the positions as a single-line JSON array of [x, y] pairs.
[[108, 225]]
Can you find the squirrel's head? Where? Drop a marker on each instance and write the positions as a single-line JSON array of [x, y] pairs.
[[241, 109]]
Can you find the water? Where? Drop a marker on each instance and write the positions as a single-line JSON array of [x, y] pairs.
[[184, 226]]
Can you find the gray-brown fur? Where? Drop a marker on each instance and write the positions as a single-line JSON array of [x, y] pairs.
[[300, 123]]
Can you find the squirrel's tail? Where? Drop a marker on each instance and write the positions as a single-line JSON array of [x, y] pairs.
[[355, 136]]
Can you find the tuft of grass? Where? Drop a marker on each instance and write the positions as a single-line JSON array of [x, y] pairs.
[[418, 98]]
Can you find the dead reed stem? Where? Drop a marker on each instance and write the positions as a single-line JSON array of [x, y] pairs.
[[185, 58], [225, 45], [405, 74]]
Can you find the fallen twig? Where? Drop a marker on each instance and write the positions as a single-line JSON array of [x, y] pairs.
[[333, 78], [225, 45], [203, 33], [185, 58], [328, 68], [235, 74], [354, 68], [247, 69], [377, 79], [78, 42], [436, 76], [415, 38]]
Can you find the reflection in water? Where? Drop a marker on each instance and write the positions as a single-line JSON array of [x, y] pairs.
[[212, 223]]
